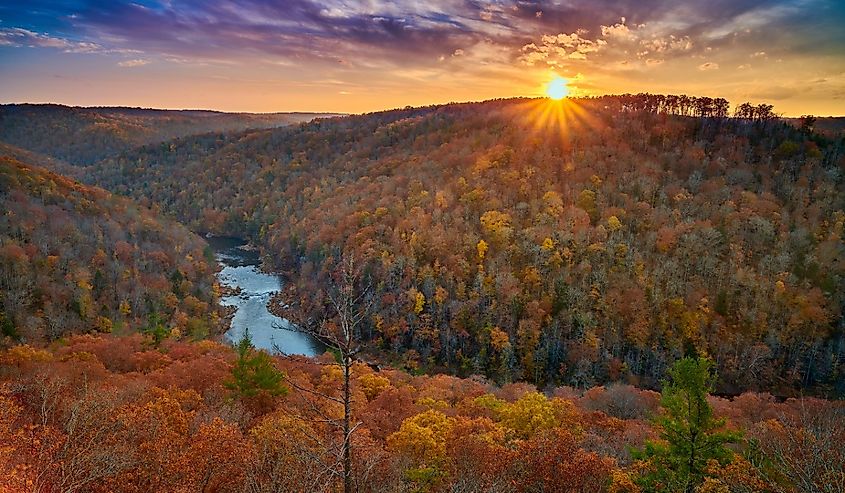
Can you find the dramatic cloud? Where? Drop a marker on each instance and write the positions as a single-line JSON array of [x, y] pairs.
[[616, 42], [452, 48]]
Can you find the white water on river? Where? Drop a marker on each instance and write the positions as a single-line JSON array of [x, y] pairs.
[[240, 270]]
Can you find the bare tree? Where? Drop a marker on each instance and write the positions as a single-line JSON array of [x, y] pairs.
[[335, 317], [805, 448]]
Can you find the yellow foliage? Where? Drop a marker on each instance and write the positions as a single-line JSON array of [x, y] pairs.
[[331, 374], [419, 301], [622, 482], [613, 223], [596, 247], [534, 412], [499, 339], [423, 437], [497, 225], [531, 276], [278, 431], [440, 295], [206, 345], [378, 321], [23, 354], [125, 308], [621, 251], [440, 200], [554, 203], [587, 201], [489, 401], [103, 324], [482, 248], [432, 403], [372, 385], [711, 485], [548, 244]]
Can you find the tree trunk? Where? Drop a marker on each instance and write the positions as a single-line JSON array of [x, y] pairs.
[[347, 442]]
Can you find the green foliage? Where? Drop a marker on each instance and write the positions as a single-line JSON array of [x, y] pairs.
[[155, 328], [197, 328], [253, 373], [690, 434], [423, 479], [7, 326]]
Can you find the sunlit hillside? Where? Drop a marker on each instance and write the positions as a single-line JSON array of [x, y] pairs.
[[577, 242]]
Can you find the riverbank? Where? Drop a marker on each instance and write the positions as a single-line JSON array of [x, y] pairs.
[[247, 289]]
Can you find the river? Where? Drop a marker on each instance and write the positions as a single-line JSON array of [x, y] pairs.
[[240, 269]]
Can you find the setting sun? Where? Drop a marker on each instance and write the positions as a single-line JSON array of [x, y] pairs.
[[557, 89]]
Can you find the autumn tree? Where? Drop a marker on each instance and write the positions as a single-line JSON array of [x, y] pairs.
[[690, 436]]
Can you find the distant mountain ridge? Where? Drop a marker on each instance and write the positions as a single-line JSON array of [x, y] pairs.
[[85, 135]]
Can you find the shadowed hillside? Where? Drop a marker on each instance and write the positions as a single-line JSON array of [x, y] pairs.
[[77, 259], [82, 136]]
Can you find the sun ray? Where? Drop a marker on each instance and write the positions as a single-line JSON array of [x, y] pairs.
[[560, 120]]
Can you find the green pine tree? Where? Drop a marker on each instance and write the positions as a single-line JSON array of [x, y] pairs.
[[690, 434], [253, 373], [155, 328]]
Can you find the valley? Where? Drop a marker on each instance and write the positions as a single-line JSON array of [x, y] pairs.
[[514, 295]]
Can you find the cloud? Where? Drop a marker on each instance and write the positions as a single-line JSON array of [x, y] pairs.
[[614, 44], [633, 44], [137, 62], [19, 37], [401, 32]]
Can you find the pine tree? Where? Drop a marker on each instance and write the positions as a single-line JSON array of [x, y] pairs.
[[690, 434], [253, 373]]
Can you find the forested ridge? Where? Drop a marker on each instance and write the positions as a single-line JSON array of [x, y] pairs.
[[74, 258], [82, 136], [573, 243]]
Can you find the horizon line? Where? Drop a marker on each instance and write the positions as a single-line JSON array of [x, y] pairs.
[[338, 113]]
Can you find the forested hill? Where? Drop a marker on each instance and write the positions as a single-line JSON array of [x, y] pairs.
[[573, 243], [77, 259], [82, 136]]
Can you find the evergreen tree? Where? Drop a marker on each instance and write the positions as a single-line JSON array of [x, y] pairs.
[[690, 435], [155, 328], [253, 373]]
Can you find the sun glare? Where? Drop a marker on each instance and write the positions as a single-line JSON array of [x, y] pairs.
[[557, 88]]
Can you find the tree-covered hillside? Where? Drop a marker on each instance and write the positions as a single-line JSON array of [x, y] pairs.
[[576, 243], [77, 259], [82, 136]]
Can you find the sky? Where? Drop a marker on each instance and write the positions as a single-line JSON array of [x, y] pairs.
[[360, 56]]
